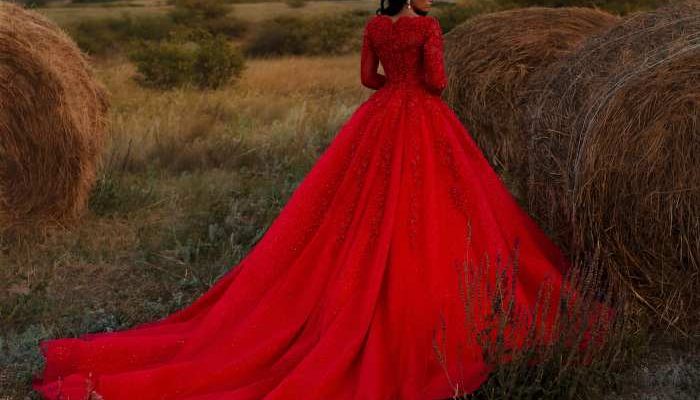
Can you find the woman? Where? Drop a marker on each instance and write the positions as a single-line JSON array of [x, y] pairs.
[[355, 286]]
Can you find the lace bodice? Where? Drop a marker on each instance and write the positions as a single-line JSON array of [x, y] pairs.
[[410, 50]]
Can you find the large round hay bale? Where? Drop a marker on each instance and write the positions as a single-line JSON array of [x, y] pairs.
[[52, 122], [489, 59], [615, 154]]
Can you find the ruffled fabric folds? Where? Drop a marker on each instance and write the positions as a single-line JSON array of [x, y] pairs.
[[352, 288]]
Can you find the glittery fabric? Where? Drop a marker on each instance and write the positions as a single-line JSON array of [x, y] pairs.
[[345, 295]]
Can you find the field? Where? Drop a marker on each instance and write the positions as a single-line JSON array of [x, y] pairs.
[[249, 11], [191, 179]]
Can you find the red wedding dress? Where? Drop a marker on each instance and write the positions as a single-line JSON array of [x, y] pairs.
[[345, 294]]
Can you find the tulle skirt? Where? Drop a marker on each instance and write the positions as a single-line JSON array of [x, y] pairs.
[[355, 291]]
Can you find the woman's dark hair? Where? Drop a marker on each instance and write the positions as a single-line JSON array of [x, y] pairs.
[[394, 7]]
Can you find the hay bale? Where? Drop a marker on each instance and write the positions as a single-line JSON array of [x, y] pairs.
[[615, 155], [488, 60], [52, 122]]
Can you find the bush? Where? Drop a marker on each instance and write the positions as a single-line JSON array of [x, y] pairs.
[[279, 36], [311, 36], [216, 63], [336, 35], [227, 25], [208, 63], [207, 15], [193, 11], [109, 35], [570, 343], [190, 18], [20, 358], [164, 64]]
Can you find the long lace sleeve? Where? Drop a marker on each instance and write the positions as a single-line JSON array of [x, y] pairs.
[[435, 77], [369, 63]]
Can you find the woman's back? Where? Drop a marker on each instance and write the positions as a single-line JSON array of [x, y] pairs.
[[410, 50]]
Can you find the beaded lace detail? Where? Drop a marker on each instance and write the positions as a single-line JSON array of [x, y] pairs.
[[410, 51]]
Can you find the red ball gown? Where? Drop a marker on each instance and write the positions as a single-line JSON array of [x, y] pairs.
[[355, 283]]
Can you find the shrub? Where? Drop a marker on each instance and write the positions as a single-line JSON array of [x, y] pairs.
[[216, 63], [192, 11], [164, 64], [109, 35], [208, 63], [208, 15], [337, 35], [591, 337], [278, 36], [312, 36], [227, 25], [20, 357]]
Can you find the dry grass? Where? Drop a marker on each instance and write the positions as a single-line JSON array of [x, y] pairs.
[[571, 342], [190, 181], [489, 59], [614, 161], [192, 130], [52, 114]]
